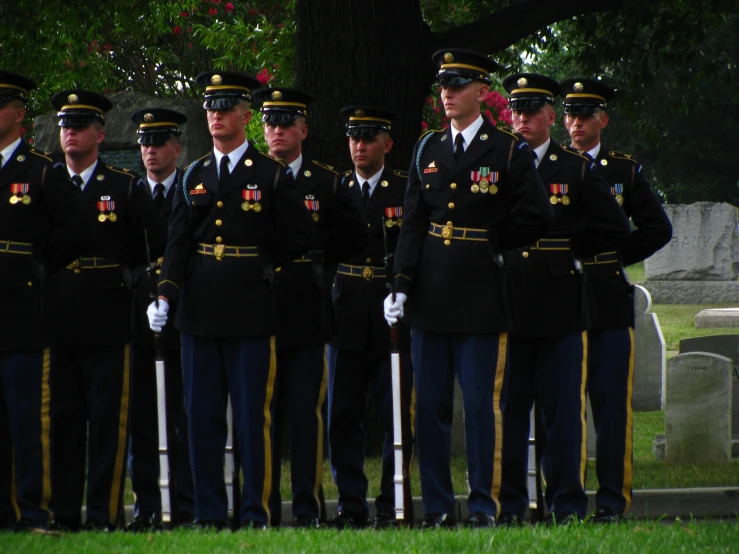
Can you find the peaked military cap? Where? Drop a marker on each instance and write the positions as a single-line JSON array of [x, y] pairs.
[[79, 108], [224, 89], [458, 66], [157, 125], [585, 96], [14, 87], [368, 121], [282, 106], [530, 91]]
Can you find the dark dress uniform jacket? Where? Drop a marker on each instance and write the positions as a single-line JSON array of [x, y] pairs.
[[304, 286], [51, 223], [231, 297], [549, 292], [461, 287], [358, 302], [94, 306], [610, 288]]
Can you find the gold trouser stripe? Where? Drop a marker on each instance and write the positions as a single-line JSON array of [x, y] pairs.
[[116, 486], [319, 434], [498, 417], [583, 408], [629, 450], [267, 488], [13, 489], [46, 432]]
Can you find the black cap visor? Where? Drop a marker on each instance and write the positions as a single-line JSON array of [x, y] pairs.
[[155, 138], [78, 119], [281, 118], [365, 130], [582, 109], [224, 101], [523, 104]]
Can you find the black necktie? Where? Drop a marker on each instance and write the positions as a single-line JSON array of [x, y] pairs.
[[159, 195], [458, 147], [289, 174], [223, 168], [536, 159], [77, 180], [365, 192]]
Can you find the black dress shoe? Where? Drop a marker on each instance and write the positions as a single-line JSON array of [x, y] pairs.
[[479, 520], [253, 524], [183, 519], [98, 525], [508, 519], [607, 515], [65, 524], [438, 521], [385, 520], [346, 520], [209, 525], [144, 522], [305, 522]]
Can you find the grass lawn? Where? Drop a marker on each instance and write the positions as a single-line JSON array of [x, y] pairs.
[[634, 536]]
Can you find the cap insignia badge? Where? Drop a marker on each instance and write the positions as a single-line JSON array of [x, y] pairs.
[[216, 80], [578, 87], [73, 99], [359, 113], [277, 95], [149, 118], [522, 82], [448, 57]]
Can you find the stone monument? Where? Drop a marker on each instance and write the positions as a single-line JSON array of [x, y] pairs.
[[649, 355], [700, 265]]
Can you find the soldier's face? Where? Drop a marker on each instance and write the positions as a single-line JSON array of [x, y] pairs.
[[228, 124], [160, 160], [81, 141], [368, 153], [463, 102], [534, 124], [284, 142], [585, 129], [11, 115]]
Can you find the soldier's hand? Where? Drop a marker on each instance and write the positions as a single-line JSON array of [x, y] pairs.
[[394, 310], [157, 315]]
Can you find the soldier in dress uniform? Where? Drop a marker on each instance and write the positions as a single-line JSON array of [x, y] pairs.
[[359, 352], [611, 335], [158, 134], [90, 310], [40, 230], [304, 303], [472, 192], [549, 346], [234, 221]]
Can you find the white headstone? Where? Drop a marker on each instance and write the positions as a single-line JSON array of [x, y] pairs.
[[717, 317], [649, 354], [698, 409]]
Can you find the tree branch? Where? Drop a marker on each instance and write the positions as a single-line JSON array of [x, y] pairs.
[[505, 27]]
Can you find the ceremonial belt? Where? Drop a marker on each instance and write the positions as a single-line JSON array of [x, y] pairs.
[[605, 258], [10, 247], [367, 272], [94, 263], [220, 251], [550, 244], [460, 233]]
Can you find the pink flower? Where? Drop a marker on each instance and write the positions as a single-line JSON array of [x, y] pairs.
[[82, 64], [23, 131], [213, 11], [253, 12], [189, 44], [264, 76], [424, 126], [184, 14], [490, 117], [177, 30], [229, 7]]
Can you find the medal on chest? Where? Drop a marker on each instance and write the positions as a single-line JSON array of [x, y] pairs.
[[251, 195], [559, 194], [19, 193]]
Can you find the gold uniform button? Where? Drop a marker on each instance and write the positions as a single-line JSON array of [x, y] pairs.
[[428, 186], [449, 223], [159, 271], [219, 240], [451, 205], [219, 222], [617, 273], [368, 225], [525, 254], [368, 261], [447, 242], [219, 203], [30, 284], [453, 186]]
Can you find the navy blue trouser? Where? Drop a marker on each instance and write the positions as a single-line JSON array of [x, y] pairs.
[[90, 392], [479, 362], [213, 371], [143, 456], [551, 372], [351, 376], [25, 450], [302, 377], [610, 387]]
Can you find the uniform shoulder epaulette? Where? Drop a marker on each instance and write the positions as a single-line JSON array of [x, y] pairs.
[[430, 131], [273, 159], [196, 161], [44, 155], [122, 171], [577, 153], [325, 166], [621, 156], [399, 173], [348, 172], [507, 132]]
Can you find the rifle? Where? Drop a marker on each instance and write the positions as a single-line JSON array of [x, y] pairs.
[[401, 477], [166, 477]]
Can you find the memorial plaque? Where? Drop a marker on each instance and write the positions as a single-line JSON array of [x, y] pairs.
[[126, 159]]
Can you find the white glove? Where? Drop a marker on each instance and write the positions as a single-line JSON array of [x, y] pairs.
[[394, 310], [157, 316]]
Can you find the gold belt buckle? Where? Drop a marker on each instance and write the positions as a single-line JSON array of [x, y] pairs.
[[218, 250], [367, 272], [74, 265], [446, 232]]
